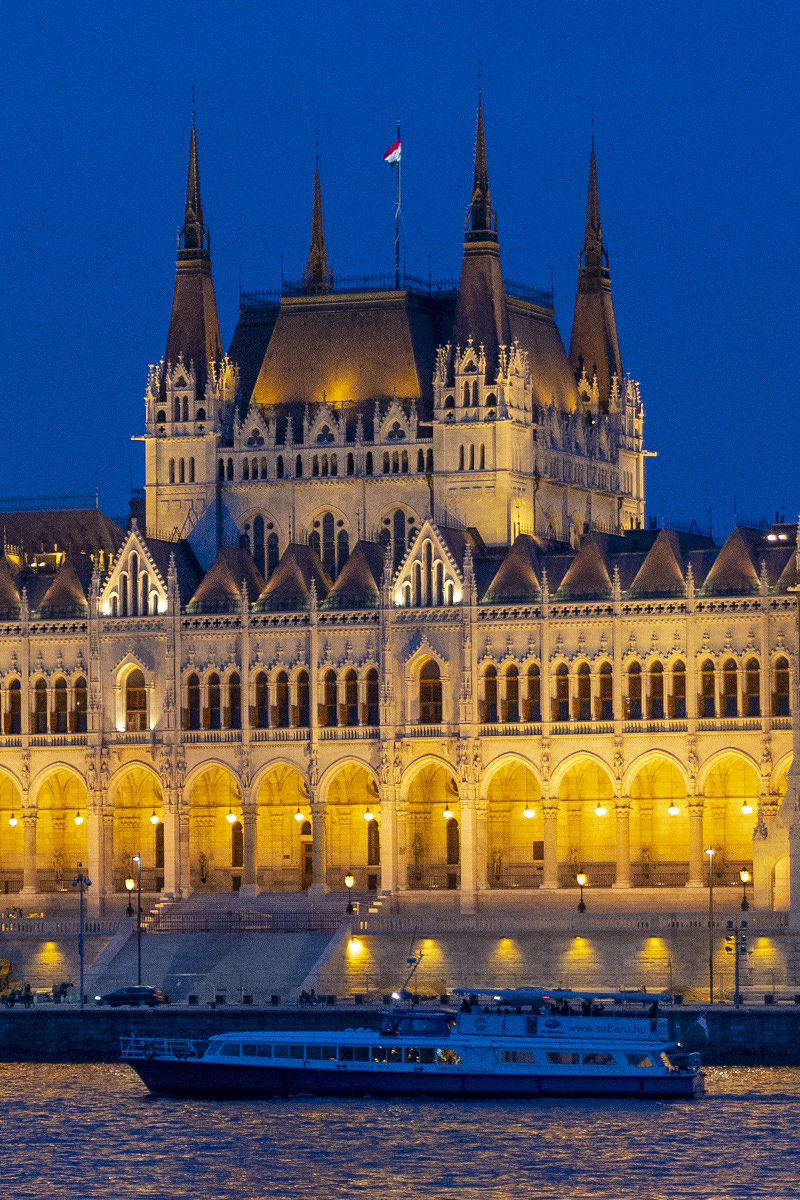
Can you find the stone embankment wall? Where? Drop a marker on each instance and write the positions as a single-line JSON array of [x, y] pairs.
[[763, 1036]]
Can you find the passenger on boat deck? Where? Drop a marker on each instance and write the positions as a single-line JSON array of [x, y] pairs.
[[465, 1005]]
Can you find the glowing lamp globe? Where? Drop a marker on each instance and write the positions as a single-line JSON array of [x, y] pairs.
[[12, 820], [154, 819], [600, 811], [447, 813], [298, 816], [673, 809], [230, 817], [580, 879], [349, 881], [529, 812]]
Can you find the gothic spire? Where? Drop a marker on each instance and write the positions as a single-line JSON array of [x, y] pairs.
[[482, 220], [317, 276], [594, 345], [193, 323], [481, 311]]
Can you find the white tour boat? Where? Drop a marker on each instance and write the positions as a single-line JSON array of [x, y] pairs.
[[522, 1043]]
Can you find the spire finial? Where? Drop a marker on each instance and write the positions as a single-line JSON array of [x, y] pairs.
[[482, 220], [317, 276], [192, 106]]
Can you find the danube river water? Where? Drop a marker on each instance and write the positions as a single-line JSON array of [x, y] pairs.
[[93, 1131]]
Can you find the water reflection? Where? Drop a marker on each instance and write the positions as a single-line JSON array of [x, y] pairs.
[[93, 1131]]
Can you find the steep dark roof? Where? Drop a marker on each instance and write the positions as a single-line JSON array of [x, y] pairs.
[[289, 586], [359, 581], [189, 570], [518, 578], [79, 530], [223, 580]]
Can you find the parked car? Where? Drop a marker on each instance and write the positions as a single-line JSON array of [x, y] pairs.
[[136, 996]]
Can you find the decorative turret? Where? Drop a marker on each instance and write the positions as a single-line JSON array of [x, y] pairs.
[[481, 312], [594, 347], [317, 276], [193, 324]]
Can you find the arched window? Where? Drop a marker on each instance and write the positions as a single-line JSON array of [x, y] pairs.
[[230, 470], [708, 700], [430, 694], [186, 408], [327, 709], [261, 708], [315, 466], [511, 703], [634, 706], [350, 465], [780, 696], [605, 697], [161, 417], [40, 706], [428, 462], [328, 545], [258, 543], [191, 470], [461, 458], [730, 688], [489, 706], [404, 463], [135, 701], [176, 408], [752, 688], [214, 710], [158, 846], [534, 693], [368, 463], [656, 692], [245, 468], [81, 698], [272, 553], [482, 460], [281, 710], [466, 395], [679, 690], [472, 458], [14, 715], [398, 537], [583, 700], [315, 542], [453, 840], [237, 844], [279, 467], [193, 702], [263, 467], [373, 844], [298, 466], [420, 461], [254, 468], [221, 469], [172, 470], [59, 719], [561, 698], [234, 713], [372, 710], [303, 701], [342, 549], [182, 470], [201, 416], [350, 706]]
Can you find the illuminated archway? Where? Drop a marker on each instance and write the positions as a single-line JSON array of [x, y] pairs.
[[514, 827], [135, 796], [284, 841], [433, 820], [213, 799], [659, 823]]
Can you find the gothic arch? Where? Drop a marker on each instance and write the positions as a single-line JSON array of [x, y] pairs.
[[504, 760], [274, 765], [653, 758], [575, 760], [350, 762], [413, 771], [718, 758]]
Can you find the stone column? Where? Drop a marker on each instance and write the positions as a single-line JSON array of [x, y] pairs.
[[172, 848], [623, 814], [550, 819], [96, 863], [107, 818], [249, 831], [318, 847], [468, 897], [30, 877], [388, 827], [696, 856], [482, 842], [184, 860], [403, 844]]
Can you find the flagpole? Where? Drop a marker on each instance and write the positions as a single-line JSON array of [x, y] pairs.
[[397, 223]]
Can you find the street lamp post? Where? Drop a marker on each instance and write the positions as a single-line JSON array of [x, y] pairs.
[[736, 943], [580, 879], [349, 882], [81, 882], [710, 853], [130, 884], [744, 875]]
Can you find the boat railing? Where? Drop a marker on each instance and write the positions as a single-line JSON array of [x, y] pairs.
[[152, 1047]]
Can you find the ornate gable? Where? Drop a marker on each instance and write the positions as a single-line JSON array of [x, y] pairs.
[[135, 586], [429, 576]]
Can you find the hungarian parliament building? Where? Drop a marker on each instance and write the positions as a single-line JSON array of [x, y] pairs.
[[390, 607]]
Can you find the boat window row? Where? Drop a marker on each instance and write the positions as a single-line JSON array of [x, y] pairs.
[[573, 1058], [316, 1052]]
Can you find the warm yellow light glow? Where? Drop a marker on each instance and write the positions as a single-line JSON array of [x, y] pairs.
[[369, 816], [154, 819], [528, 812], [78, 819], [746, 808], [12, 820], [673, 809], [230, 816], [354, 946], [710, 852], [601, 810], [130, 884], [447, 813], [580, 879], [744, 876], [298, 816], [349, 881]]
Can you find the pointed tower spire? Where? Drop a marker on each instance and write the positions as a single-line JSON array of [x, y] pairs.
[[317, 276], [481, 312], [193, 323], [594, 346]]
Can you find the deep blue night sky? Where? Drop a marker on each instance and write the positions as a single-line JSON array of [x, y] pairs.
[[696, 128]]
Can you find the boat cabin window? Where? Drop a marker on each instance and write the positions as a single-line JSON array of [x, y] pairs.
[[598, 1058], [518, 1056], [212, 1048], [428, 1026], [230, 1049], [639, 1060], [564, 1058], [448, 1058]]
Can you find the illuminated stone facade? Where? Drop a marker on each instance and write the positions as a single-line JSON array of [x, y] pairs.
[[392, 610]]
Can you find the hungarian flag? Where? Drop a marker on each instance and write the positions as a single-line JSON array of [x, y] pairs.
[[392, 155]]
